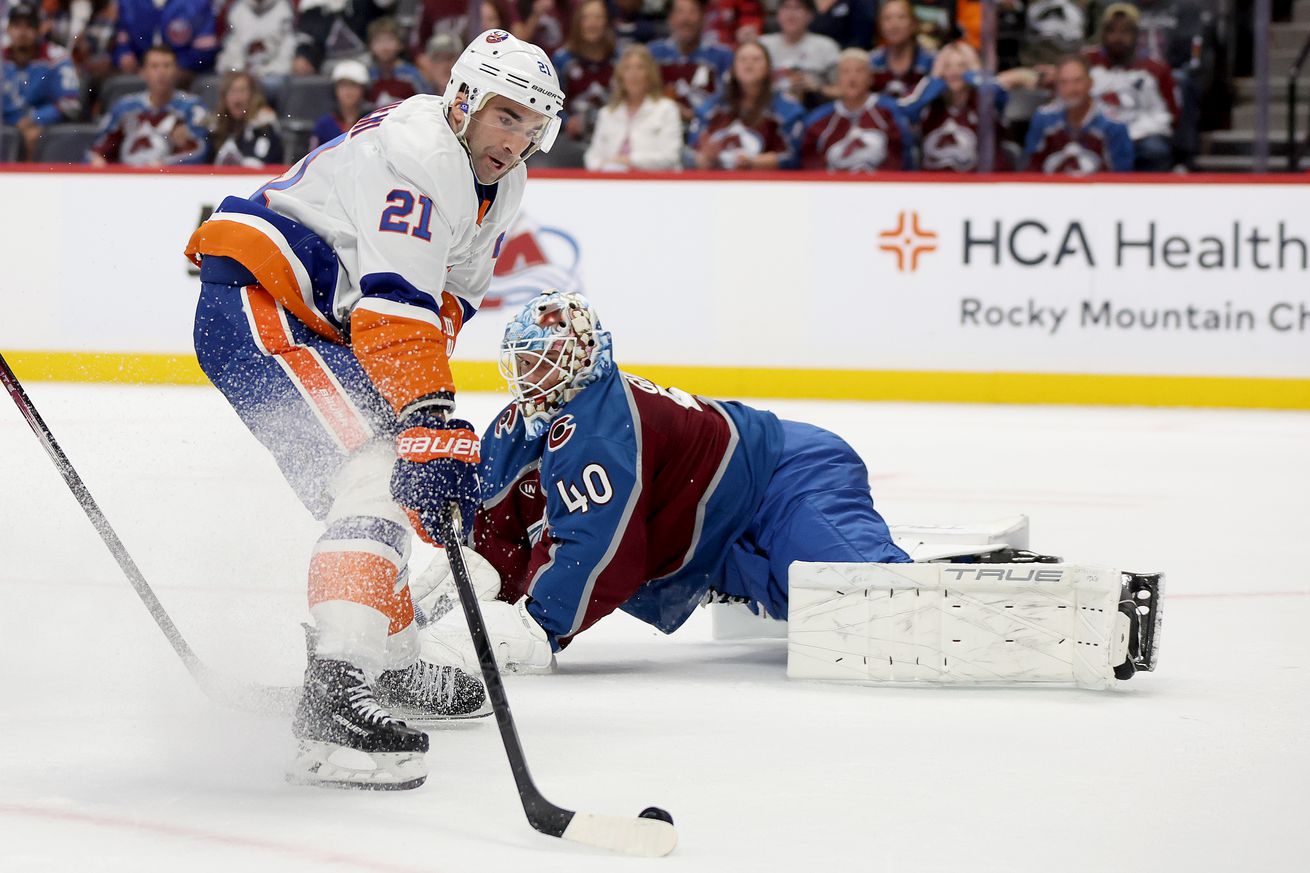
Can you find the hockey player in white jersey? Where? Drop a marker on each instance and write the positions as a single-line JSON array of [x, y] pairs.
[[330, 304]]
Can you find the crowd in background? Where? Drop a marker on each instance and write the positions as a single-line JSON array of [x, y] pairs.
[[848, 86]]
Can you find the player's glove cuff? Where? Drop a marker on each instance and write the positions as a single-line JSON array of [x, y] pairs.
[[436, 464]]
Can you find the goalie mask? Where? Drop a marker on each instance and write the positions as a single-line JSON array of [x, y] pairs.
[[498, 63], [553, 349]]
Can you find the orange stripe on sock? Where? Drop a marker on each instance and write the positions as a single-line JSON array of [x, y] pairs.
[[362, 578], [261, 256], [306, 370]]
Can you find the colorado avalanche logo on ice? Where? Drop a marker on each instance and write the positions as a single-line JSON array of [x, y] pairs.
[[497, 36], [533, 257], [560, 431]]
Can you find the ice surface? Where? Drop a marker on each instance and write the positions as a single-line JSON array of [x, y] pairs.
[[110, 759]]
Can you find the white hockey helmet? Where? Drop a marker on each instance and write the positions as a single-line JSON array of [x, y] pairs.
[[497, 62]]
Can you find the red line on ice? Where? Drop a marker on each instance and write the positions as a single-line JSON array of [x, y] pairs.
[[188, 833]]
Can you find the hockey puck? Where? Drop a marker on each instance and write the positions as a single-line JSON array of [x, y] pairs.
[[657, 813]]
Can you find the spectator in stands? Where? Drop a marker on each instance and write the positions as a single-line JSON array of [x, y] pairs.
[[900, 63], [734, 22], [640, 128], [935, 20], [245, 131], [543, 23], [185, 26], [86, 29], [393, 77], [859, 132], [949, 123], [260, 39], [452, 17], [1181, 35], [332, 30], [1169, 31], [1075, 136], [350, 91], [848, 22], [438, 59], [1138, 92], [637, 20], [585, 66], [692, 65], [39, 79], [803, 61], [155, 127], [749, 127], [1052, 29]]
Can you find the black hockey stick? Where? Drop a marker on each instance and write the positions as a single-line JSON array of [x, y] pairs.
[[263, 699], [651, 834]]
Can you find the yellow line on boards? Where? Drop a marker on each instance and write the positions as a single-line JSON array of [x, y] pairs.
[[939, 387]]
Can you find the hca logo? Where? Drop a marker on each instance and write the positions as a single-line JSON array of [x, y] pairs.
[[907, 240]]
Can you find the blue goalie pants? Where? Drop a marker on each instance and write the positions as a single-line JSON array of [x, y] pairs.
[[816, 507]]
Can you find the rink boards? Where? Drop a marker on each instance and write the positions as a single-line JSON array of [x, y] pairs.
[[1152, 291]]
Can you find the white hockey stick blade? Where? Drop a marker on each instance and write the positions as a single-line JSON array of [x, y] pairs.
[[646, 837]]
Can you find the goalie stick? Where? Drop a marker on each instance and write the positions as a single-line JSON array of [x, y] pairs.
[[651, 834], [261, 699]]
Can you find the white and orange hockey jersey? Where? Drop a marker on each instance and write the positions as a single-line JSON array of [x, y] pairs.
[[381, 238]]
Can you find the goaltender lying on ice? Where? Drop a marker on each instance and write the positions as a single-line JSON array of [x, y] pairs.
[[604, 491]]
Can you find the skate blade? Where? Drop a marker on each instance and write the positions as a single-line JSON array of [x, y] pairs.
[[423, 718], [320, 765]]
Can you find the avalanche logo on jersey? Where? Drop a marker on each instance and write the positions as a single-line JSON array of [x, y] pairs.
[[560, 432], [1120, 96], [533, 257], [736, 140], [1073, 159], [497, 36], [1061, 20], [149, 138], [861, 149], [508, 418], [952, 146]]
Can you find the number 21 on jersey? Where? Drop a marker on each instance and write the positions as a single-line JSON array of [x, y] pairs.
[[396, 217]]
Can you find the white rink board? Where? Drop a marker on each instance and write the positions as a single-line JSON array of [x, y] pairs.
[[1022, 277]]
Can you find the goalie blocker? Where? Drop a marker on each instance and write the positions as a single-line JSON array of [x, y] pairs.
[[1026, 619]]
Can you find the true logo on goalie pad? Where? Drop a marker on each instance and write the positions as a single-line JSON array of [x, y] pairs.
[[1002, 575]]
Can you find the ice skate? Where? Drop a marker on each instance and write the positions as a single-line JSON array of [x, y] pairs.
[[347, 740], [426, 691]]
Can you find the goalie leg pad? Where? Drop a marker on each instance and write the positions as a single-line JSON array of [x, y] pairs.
[[966, 623]]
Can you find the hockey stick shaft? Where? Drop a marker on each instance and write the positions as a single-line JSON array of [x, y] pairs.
[[542, 814], [97, 518], [256, 698], [634, 836]]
